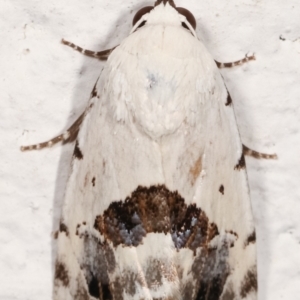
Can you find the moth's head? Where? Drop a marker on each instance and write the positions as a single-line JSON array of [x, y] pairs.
[[164, 12]]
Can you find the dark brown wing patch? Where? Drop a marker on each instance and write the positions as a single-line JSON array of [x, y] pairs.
[[241, 163], [251, 239], [249, 283], [229, 100], [61, 273], [64, 228], [97, 269], [155, 209], [222, 189], [77, 152], [196, 169]]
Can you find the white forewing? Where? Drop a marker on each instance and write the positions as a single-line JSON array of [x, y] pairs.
[[157, 205]]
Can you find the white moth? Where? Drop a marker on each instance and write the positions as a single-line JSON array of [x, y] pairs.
[[157, 204]]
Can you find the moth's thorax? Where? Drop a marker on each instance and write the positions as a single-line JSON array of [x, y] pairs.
[[160, 75], [164, 14]]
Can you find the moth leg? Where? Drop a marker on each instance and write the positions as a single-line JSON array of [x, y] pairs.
[[235, 63], [102, 55], [258, 155], [67, 137]]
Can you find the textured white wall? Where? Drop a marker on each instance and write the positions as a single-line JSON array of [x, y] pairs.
[[44, 86]]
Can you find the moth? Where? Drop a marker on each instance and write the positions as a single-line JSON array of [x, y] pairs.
[[157, 203]]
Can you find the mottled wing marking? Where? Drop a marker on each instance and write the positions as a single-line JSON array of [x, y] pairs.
[[228, 294], [222, 189], [251, 239], [98, 262], [61, 273], [126, 223], [229, 100], [241, 165], [157, 210], [77, 152], [247, 58], [64, 228], [102, 55], [195, 170], [249, 283], [94, 92]]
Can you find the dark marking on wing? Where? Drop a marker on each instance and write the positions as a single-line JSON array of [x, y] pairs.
[[142, 24], [110, 258], [94, 181], [98, 263], [77, 152], [94, 92], [229, 293], [251, 239], [229, 100], [81, 292], [212, 269], [155, 209], [61, 273], [196, 169], [105, 292], [249, 283], [241, 163], [233, 233], [153, 273], [222, 189], [77, 228], [86, 179], [64, 228], [154, 276], [94, 287], [187, 292], [128, 283]]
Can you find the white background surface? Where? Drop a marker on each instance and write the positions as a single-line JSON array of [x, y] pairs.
[[44, 87]]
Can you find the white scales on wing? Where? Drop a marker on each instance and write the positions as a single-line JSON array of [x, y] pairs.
[[157, 204], [159, 84]]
